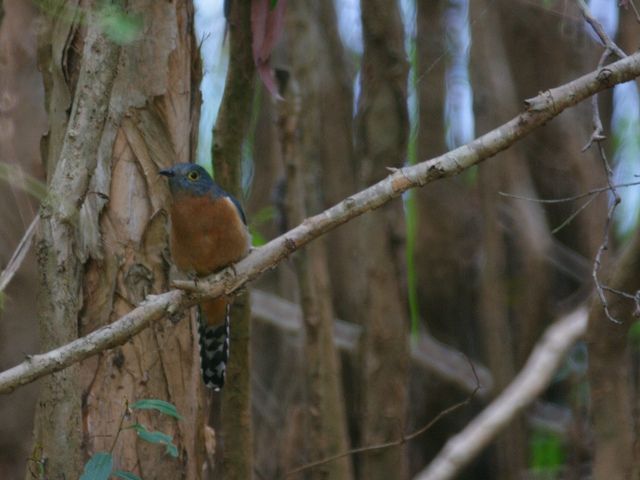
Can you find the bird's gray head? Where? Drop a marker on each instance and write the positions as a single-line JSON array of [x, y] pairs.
[[189, 178]]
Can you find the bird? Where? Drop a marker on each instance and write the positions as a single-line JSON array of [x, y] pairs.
[[208, 232]]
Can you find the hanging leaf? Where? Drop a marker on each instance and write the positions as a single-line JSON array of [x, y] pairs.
[[98, 467], [267, 20], [159, 405], [156, 437]]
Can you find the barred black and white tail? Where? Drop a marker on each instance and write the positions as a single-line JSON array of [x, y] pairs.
[[214, 350]]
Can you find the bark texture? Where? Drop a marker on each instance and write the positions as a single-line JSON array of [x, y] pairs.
[[382, 127], [557, 169], [612, 411], [103, 237], [71, 157], [326, 417], [505, 299], [228, 138]]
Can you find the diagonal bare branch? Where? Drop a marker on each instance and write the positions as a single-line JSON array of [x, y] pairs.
[[539, 110], [19, 254], [525, 388]]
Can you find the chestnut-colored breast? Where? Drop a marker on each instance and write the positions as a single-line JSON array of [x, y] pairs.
[[207, 234]]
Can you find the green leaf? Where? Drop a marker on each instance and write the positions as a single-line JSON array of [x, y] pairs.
[[156, 437], [634, 335], [159, 405], [126, 475], [263, 215], [120, 26], [172, 450], [546, 452], [257, 240], [273, 4], [98, 467]]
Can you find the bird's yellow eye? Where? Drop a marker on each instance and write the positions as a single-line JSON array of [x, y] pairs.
[[193, 175]]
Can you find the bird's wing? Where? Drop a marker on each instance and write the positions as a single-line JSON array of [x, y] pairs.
[[238, 207]]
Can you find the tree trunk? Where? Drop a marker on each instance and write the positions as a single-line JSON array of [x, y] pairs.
[[327, 435], [612, 413], [506, 299], [382, 128], [553, 153], [229, 134], [22, 122], [103, 235]]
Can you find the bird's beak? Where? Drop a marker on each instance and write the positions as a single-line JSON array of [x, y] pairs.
[[168, 172]]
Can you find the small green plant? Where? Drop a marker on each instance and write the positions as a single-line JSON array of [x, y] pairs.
[[260, 218], [100, 465], [117, 24], [120, 26], [546, 453], [634, 335]]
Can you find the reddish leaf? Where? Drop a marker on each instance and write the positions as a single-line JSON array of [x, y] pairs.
[[266, 26]]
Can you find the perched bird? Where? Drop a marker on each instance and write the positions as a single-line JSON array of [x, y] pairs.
[[208, 233]]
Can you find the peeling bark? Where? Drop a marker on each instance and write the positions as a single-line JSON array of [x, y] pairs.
[[58, 428], [103, 236]]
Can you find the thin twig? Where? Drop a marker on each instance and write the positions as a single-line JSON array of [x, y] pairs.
[[591, 193], [610, 49], [597, 135], [395, 443], [19, 254], [599, 30], [594, 191], [633, 7], [122, 417], [619, 292], [605, 241], [570, 218]]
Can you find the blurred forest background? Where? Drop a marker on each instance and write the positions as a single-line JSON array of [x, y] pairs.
[[453, 274]]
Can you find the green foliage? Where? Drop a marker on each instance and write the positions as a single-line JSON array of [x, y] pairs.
[[272, 4], [470, 176], [119, 26], [634, 335], [258, 219], [36, 462], [98, 467], [161, 406], [156, 437], [546, 453]]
